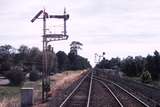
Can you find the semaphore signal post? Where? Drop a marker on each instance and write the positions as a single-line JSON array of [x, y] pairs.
[[46, 39]]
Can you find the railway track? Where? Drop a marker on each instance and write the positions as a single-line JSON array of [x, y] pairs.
[[96, 92], [80, 96], [152, 93], [126, 98], [102, 95], [148, 94]]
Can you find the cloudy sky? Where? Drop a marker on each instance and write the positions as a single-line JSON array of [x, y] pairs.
[[117, 27]]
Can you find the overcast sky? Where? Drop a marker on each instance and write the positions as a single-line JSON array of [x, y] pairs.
[[117, 27]]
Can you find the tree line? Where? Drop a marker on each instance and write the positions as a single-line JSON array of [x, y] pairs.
[[71, 61], [137, 66], [17, 64]]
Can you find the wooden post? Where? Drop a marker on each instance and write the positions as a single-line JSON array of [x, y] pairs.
[[26, 97]]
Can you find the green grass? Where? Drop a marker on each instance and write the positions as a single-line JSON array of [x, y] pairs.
[[9, 91], [156, 83], [10, 95], [153, 83], [35, 84], [12, 91]]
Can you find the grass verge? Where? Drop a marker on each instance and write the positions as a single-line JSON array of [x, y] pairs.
[[10, 96], [138, 79]]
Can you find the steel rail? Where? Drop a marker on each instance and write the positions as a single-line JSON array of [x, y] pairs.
[[74, 90], [90, 89], [133, 96], [121, 105]]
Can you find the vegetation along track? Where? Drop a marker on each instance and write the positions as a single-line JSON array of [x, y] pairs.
[[126, 98], [80, 96]]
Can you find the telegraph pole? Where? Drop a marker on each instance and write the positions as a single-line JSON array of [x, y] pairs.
[[46, 39]]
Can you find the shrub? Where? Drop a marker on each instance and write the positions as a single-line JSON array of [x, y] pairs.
[[34, 76], [146, 77], [16, 77], [6, 65]]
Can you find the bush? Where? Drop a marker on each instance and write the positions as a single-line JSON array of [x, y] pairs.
[[34, 76], [5, 67], [16, 77], [146, 77]]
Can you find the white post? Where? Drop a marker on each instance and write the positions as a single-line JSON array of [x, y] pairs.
[[26, 97]]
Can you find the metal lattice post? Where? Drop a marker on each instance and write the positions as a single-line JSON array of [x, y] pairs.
[[44, 55], [48, 38]]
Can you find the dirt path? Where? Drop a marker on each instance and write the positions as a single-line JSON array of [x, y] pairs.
[[61, 81]]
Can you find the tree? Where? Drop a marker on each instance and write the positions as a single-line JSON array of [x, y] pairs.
[[35, 55], [63, 61], [34, 74], [16, 76], [77, 62], [152, 65], [75, 46], [128, 66], [24, 50], [34, 58], [115, 63], [23, 54], [134, 67], [139, 61], [104, 64], [156, 68], [51, 60], [71, 61], [6, 58]]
